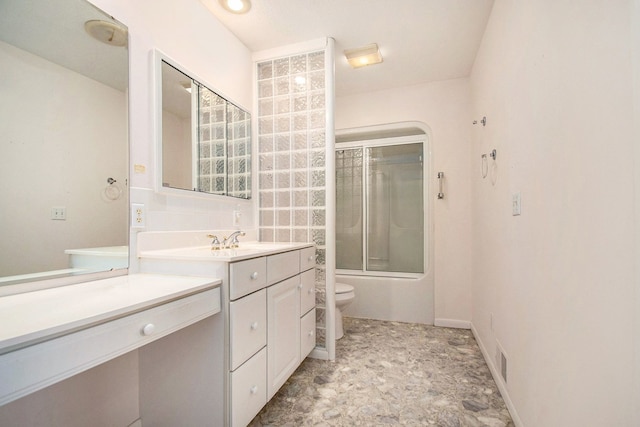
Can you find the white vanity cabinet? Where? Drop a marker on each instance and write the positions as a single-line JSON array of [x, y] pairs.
[[271, 327], [268, 305]]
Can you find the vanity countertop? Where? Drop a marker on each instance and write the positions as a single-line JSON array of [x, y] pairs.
[[246, 250], [32, 317]]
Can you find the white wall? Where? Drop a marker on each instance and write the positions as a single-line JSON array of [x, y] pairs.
[[39, 142], [194, 39], [555, 82], [445, 108]]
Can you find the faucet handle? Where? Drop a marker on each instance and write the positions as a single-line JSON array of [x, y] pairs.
[[215, 243]]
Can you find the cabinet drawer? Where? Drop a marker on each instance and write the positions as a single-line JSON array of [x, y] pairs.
[[307, 258], [307, 334], [282, 266], [307, 291], [247, 326], [31, 368], [246, 277], [249, 389]]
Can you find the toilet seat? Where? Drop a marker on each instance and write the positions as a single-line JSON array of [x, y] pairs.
[[343, 288]]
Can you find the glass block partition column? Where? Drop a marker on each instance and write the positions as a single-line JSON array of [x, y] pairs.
[[292, 160]]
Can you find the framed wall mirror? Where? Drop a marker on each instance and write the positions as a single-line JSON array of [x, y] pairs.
[[204, 140], [63, 141]]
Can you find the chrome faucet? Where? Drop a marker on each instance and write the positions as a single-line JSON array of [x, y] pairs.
[[215, 243], [232, 242]]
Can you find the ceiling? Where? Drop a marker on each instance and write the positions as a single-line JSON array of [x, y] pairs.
[[420, 40], [54, 30]]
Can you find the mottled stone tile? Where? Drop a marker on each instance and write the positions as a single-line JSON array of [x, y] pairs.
[[391, 373]]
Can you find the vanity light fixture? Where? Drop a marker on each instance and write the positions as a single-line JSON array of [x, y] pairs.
[[363, 56], [236, 6]]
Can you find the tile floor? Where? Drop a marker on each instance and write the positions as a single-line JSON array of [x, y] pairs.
[[390, 373]]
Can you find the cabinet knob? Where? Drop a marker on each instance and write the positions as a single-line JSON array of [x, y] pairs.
[[254, 389], [148, 329], [310, 258], [300, 286], [311, 290], [310, 333], [254, 326], [254, 275]]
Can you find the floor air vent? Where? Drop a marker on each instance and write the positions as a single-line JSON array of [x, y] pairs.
[[501, 361]]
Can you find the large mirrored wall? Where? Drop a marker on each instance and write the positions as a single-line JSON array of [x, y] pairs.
[[63, 141], [205, 139], [292, 146]]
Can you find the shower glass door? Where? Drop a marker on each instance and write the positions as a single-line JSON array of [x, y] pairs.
[[380, 208]]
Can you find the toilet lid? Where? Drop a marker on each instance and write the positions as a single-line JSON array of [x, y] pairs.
[[343, 288]]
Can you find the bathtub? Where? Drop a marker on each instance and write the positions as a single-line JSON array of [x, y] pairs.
[[401, 299]]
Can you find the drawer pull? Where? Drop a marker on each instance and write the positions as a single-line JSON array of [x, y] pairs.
[[310, 258], [254, 275], [254, 389], [148, 329], [254, 326]]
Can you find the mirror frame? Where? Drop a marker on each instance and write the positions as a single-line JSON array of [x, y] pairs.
[[157, 58]]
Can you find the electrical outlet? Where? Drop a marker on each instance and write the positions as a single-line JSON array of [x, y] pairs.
[[59, 213], [138, 215]]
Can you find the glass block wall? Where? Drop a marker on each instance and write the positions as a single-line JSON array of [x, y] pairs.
[[239, 152], [292, 144], [212, 156]]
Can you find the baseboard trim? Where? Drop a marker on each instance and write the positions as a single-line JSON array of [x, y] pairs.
[[502, 387], [452, 323]]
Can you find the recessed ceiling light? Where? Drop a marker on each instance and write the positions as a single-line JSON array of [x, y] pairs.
[[363, 56], [236, 6]]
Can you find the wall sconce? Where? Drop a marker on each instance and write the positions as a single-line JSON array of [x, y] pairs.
[[363, 56]]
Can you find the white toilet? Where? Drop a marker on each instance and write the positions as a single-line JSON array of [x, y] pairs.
[[344, 296]]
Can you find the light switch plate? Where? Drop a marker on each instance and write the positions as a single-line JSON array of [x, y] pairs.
[[516, 204]]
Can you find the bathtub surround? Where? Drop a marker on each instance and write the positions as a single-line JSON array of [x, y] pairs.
[[390, 373]]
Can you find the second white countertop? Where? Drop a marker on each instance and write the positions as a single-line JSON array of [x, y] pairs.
[[33, 317]]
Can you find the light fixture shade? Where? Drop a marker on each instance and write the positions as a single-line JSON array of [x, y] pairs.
[[363, 56], [236, 6]]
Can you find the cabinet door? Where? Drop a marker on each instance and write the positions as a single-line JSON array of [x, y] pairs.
[[307, 333], [248, 391], [307, 258], [307, 291], [247, 276], [247, 327], [283, 332]]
